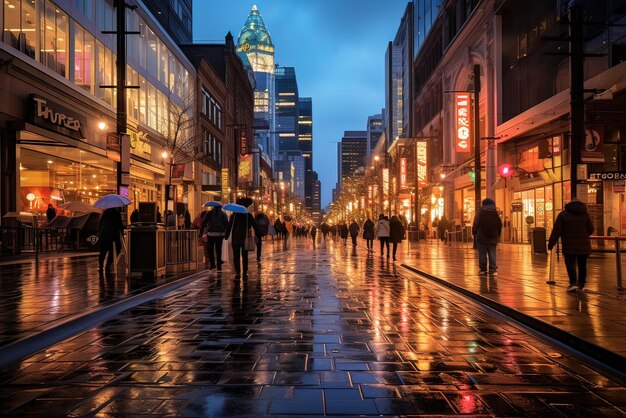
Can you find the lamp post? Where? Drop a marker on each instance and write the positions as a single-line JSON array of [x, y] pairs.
[[165, 155]]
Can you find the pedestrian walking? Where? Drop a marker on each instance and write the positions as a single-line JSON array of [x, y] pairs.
[[369, 233], [574, 227], [487, 228], [170, 220], [344, 232], [442, 226], [313, 232], [134, 216], [238, 230], [109, 233], [287, 228], [187, 221], [51, 212], [354, 231], [262, 223], [382, 232], [396, 234], [212, 231], [279, 228], [159, 218]]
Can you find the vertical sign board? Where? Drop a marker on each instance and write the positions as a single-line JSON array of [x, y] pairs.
[[243, 142], [113, 146], [385, 181], [402, 173], [463, 121], [422, 162], [224, 184]]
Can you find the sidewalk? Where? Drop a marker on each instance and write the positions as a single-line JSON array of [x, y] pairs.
[[593, 321], [40, 295]]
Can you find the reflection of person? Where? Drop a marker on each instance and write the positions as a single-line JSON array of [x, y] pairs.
[[51, 212], [487, 229], [573, 225], [110, 233]]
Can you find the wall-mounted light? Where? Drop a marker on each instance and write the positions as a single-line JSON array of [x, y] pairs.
[[102, 125]]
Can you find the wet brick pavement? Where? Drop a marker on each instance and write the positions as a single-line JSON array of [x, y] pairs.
[[317, 332]]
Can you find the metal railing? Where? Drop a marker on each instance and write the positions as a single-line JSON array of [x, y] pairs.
[[30, 239], [181, 248]]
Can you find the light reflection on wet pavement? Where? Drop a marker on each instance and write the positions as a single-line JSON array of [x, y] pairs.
[[328, 331]]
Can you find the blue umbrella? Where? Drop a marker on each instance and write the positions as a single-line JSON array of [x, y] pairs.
[[111, 201], [212, 204], [233, 207]]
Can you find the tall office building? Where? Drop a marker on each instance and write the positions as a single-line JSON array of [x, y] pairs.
[[174, 16], [305, 142], [255, 47], [375, 128], [286, 109], [352, 151], [316, 197]]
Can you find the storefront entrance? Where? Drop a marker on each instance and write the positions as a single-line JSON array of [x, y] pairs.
[[532, 208]]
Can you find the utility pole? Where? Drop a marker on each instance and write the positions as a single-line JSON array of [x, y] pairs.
[[477, 168], [577, 100]]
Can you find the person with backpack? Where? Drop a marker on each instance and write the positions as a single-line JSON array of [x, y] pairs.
[[262, 224], [487, 228], [212, 231], [354, 231]]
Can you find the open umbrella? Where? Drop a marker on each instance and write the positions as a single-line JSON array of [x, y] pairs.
[[233, 207], [112, 201], [212, 204], [244, 201], [79, 206]]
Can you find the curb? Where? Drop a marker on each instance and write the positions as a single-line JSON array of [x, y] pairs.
[[80, 322], [51, 256], [607, 358]]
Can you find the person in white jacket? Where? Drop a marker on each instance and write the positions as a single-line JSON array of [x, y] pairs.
[[382, 232]]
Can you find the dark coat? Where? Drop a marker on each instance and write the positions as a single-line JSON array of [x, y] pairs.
[[187, 220], [369, 230], [354, 229], [573, 225], [487, 226], [214, 222], [396, 230], [262, 223], [110, 225], [237, 227], [51, 213], [343, 231]]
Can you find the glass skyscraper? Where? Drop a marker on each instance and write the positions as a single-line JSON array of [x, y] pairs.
[[255, 47]]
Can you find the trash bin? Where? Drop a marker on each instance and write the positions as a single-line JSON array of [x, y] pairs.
[[538, 240], [412, 233], [147, 249]]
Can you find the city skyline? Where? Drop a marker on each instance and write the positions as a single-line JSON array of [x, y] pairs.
[[354, 59]]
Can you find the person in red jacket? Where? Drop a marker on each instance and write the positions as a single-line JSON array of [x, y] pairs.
[[487, 229], [573, 225]]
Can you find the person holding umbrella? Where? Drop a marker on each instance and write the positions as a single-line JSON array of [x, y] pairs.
[[111, 227], [238, 230], [212, 231]]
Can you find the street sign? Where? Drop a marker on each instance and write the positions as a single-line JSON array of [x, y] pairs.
[[608, 175]]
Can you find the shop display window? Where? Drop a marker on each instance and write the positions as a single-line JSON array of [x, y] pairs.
[[60, 175]]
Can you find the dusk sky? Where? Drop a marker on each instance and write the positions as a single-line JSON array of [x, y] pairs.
[[337, 48]]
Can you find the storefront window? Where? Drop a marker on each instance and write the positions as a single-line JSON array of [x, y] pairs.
[[59, 175]]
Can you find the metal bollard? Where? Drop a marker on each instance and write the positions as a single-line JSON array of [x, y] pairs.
[[618, 265]]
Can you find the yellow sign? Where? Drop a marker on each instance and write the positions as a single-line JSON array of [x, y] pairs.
[[224, 183], [139, 144]]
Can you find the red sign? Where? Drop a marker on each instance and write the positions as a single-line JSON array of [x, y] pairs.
[[243, 142], [402, 172], [463, 121], [422, 160]]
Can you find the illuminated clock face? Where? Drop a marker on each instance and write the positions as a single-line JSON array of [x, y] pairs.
[[245, 47]]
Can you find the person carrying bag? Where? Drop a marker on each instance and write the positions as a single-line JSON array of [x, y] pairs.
[[238, 231]]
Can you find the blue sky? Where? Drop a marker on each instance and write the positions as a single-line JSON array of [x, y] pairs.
[[337, 48]]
